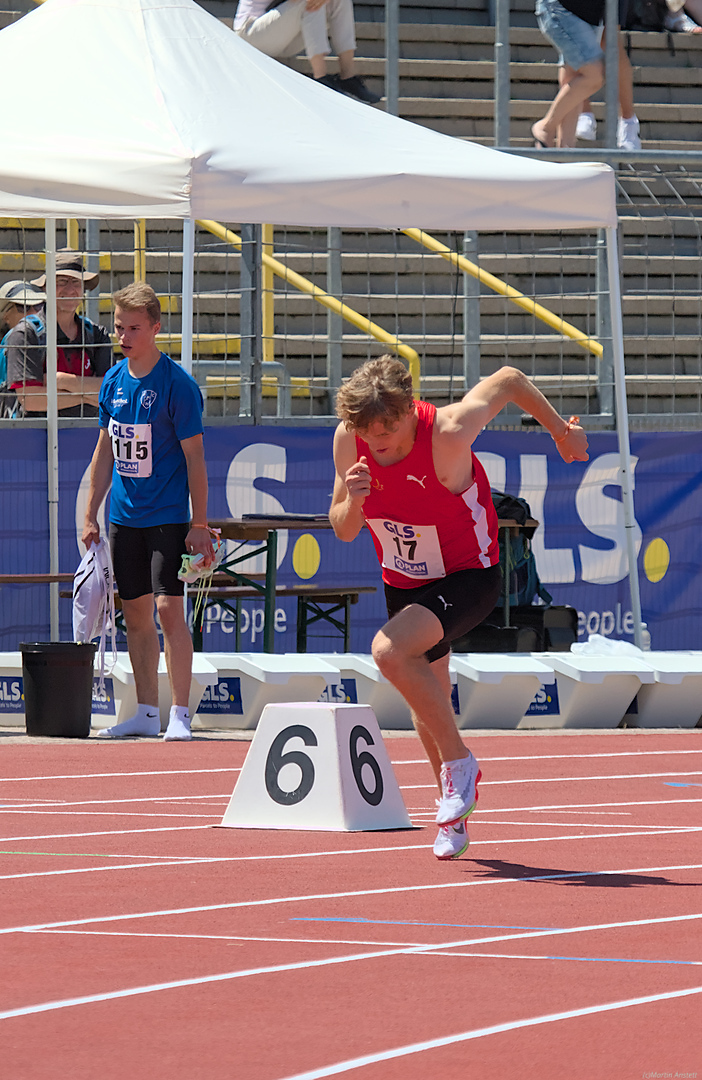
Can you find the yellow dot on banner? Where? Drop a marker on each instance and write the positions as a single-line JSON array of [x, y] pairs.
[[306, 556], [656, 559]]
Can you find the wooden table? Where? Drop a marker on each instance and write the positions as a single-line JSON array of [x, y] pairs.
[[252, 528], [265, 529]]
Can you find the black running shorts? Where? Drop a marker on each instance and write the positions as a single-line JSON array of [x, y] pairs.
[[460, 601], [148, 560]]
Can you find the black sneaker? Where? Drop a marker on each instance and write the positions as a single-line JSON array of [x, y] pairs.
[[332, 81], [356, 88]]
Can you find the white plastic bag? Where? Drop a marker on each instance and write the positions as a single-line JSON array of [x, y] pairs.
[[94, 600], [597, 645]]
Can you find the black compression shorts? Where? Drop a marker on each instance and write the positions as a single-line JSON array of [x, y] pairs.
[[148, 560], [460, 601]]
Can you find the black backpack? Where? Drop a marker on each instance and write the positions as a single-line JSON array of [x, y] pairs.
[[519, 559], [646, 15]]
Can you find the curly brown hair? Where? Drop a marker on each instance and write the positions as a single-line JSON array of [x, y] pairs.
[[378, 390]]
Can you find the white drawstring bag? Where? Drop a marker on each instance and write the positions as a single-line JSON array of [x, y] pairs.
[[94, 601]]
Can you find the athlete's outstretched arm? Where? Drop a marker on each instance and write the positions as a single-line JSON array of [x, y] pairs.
[[482, 404], [351, 486]]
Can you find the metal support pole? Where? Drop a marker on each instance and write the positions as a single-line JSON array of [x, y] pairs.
[[611, 72], [471, 316], [623, 427], [605, 364], [52, 462], [250, 320], [92, 261], [187, 296], [502, 82], [335, 323], [392, 56]]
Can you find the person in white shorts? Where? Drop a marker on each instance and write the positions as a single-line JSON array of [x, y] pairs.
[[285, 29]]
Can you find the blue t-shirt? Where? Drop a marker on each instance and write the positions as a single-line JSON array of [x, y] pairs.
[[146, 420]]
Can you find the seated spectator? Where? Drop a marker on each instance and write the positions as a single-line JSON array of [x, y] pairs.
[[284, 29], [684, 17], [628, 137], [572, 29], [84, 349], [17, 300]]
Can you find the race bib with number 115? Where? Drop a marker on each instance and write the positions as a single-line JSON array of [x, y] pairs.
[[131, 446]]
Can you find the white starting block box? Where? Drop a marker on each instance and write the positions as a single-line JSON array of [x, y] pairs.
[[593, 691], [496, 689], [361, 683], [312, 765], [118, 701], [11, 690], [247, 682], [675, 698]]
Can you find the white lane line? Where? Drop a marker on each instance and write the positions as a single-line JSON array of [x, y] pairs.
[[560, 779], [480, 1033], [243, 938], [544, 956], [111, 995], [65, 803], [387, 891], [103, 832], [9, 811], [586, 805], [568, 757], [110, 775], [183, 861]]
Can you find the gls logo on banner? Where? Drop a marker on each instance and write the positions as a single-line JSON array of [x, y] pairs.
[[225, 697], [11, 695]]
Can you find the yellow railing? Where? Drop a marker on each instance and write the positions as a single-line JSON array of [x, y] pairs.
[[518, 298], [140, 250], [323, 298]]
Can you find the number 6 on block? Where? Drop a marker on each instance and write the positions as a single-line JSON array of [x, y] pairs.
[[313, 765]]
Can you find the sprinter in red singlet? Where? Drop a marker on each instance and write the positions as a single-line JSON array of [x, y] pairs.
[[407, 470]]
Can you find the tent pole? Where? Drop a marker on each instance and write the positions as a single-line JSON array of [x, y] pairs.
[[623, 425], [188, 284], [52, 422]]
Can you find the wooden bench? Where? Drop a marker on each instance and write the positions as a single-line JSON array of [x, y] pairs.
[[315, 603]]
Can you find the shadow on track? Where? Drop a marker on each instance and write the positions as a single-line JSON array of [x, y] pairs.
[[497, 868]]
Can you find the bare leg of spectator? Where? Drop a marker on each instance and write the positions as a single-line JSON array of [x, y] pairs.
[[586, 81]]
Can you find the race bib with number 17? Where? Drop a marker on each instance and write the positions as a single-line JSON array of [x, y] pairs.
[[411, 550], [131, 446]]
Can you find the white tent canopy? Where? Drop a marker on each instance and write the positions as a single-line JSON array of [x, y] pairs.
[[153, 108]]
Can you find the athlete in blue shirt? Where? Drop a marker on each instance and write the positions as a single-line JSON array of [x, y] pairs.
[[150, 449]]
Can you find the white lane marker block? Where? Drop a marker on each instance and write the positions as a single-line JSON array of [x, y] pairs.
[[314, 765]]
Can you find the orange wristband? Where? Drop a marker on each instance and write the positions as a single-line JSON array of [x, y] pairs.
[[194, 526], [571, 423]]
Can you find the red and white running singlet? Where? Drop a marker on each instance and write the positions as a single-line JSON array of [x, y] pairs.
[[420, 529]]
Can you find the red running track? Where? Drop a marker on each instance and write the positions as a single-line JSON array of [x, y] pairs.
[[139, 942]]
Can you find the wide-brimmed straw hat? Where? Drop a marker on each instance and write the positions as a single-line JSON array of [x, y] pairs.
[[20, 293], [70, 264]]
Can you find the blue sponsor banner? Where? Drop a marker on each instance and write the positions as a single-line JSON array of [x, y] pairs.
[[545, 702], [342, 693], [224, 697], [11, 694], [580, 546], [103, 700]]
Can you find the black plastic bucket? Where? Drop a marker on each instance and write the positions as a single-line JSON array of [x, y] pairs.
[[58, 688]]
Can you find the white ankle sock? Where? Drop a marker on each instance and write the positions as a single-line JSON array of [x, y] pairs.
[[178, 724], [146, 721]]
